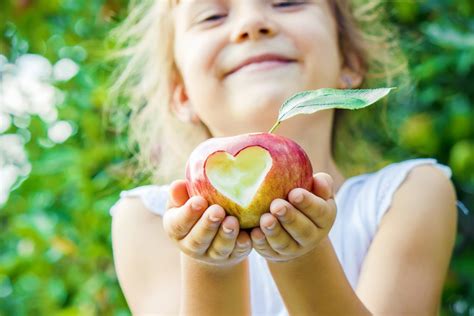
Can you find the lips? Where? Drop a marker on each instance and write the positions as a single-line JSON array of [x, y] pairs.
[[260, 59]]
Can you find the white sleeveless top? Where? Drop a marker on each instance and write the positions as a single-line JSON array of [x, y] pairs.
[[361, 203]]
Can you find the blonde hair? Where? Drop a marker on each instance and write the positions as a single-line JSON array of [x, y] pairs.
[[142, 83]]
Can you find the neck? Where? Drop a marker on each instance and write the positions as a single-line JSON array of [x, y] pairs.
[[313, 134]]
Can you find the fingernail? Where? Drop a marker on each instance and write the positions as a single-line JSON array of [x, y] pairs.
[[196, 206], [298, 197], [214, 218], [282, 211], [227, 230], [243, 245], [272, 225]]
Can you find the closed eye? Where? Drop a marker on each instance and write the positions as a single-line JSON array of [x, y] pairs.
[[285, 4], [214, 17]]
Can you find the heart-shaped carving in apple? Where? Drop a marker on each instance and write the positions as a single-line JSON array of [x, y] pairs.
[[245, 173]]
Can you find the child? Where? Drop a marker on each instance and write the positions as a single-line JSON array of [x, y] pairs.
[[211, 68]]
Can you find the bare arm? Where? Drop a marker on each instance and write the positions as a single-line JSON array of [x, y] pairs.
[[315, 284], [405, 268], [211, 290], [214, 251], [147, 263]]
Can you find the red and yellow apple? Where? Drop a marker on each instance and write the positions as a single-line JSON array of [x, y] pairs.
[[245, 173]]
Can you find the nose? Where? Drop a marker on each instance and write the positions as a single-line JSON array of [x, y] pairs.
[[252, 25]]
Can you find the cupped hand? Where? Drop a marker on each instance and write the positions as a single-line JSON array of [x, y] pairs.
[[295, 227], [204, 232]]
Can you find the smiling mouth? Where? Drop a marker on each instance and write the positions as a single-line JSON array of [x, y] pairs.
[[262, 66]]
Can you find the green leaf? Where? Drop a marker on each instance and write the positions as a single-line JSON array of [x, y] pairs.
[[311, 101]]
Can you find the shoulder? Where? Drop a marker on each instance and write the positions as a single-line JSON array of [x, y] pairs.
[[151, 197], [433, 179], [131, 208], [401, 180], [426, 190], [372, 195], [426, 199]]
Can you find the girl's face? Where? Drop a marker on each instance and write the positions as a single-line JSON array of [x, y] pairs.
[[240, 59]]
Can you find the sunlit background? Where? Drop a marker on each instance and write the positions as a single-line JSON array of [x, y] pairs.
[[62, 166]]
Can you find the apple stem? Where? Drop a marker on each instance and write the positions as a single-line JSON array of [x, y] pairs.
[[274, 126]]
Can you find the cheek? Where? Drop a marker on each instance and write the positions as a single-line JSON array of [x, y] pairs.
[[319, 45], [325, 61], [325, 48], [200, 52], [198, 71]]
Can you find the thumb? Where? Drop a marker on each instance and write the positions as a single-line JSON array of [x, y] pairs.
[[178, 193], [323, 185]]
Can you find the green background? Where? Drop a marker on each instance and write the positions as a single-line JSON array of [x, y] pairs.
[[55, 243]]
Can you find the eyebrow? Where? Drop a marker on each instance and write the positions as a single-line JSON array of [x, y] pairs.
[[190, 6]]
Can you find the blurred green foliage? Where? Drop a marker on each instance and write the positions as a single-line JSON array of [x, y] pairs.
[[55, 245]]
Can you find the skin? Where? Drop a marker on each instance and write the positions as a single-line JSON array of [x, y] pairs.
[[397, 277]]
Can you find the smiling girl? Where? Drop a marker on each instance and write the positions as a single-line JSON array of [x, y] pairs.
[[212, 68]]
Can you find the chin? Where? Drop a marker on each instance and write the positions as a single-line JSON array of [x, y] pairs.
[[267, 96], [251, 118]]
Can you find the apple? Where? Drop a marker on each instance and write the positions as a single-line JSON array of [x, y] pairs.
[[245, 173]]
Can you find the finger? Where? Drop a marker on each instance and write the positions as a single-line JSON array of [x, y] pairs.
[[201, 235], [260, 244], [314, 207], [243, 246], [177, 222], [277, 237], [323, 185], [298, 225], [224, 242], [178, 194]]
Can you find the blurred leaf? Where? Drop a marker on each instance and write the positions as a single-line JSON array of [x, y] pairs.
[[446, 35], [418, 134], [461, 160]]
